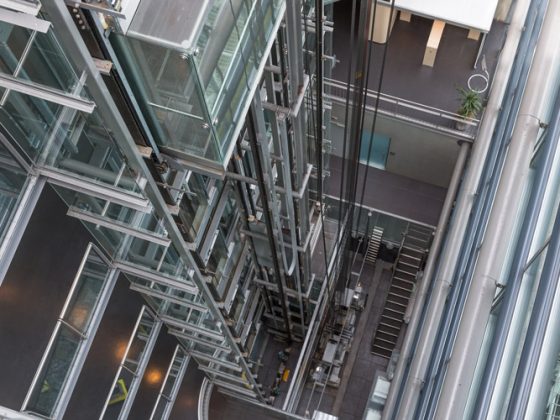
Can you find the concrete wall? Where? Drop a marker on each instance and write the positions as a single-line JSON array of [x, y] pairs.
[[415, 152], [502, 10]]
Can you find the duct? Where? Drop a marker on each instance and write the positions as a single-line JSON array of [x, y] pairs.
[[407, 346], [537, 329], [519, 259], [451, 253], [501, 223]]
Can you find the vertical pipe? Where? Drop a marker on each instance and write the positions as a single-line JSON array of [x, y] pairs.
[[501, 223], [540, 318], [319, 93], [255, 138], [486, 389], [444, 278], [426, 279]]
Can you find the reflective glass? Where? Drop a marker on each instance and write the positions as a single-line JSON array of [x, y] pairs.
[[12, 182], [86, 293], [55, 372], [167, 89]]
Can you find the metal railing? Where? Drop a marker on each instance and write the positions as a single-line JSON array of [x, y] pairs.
[[409, 111]]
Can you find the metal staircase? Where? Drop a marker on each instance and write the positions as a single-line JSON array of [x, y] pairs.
[[373, 245], [414, 248]]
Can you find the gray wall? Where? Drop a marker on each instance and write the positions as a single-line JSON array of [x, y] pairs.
[[415, 152]]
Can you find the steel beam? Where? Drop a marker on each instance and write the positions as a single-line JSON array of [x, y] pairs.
[[49, 94]]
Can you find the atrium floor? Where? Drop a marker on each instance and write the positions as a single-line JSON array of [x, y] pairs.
[[404, 75]]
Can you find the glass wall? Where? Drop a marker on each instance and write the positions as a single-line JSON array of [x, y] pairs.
[[74, 332], [193, 99]]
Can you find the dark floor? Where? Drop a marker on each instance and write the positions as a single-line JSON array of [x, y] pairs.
[[404, 74], [238, 409], [186, 403], [352, 397], [154, 376], [41, 273], [391, 193], [34, 291], [349, 400], [105, 353]]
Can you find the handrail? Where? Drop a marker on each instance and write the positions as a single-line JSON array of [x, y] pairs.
[[204, 399], [338, 90]]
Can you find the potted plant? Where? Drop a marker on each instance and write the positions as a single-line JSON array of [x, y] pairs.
[[471, 104]]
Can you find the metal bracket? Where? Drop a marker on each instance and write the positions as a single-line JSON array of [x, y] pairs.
[[95, 7]]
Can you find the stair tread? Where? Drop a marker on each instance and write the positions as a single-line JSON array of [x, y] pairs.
[[386, 341], [390, 317], [389, 325]]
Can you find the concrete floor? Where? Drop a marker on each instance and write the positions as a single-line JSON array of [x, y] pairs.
[[362, 365], [391, 193], [186, 403], [404, 74], [349, 400]]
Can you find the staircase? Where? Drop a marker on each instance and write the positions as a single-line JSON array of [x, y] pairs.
[[373, 245], [414, 248]]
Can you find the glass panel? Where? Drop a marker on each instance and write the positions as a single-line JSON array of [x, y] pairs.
[[139, 342], [167, 89], [12, 183], [86, 294], [29, 120], [76, 318], [118, 395], [374, 150], [13, 40], [194, 204], [47, 64], [55, 372]]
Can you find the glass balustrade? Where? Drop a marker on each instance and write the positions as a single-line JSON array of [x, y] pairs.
[[73, 333]]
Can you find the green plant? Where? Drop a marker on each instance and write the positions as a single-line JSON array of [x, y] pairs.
[[471, 103]]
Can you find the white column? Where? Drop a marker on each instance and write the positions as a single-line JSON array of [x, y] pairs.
[[501, 224]]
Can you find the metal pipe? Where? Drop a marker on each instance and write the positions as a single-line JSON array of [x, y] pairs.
[[502, 328], [408, 343], [265, 194], [502, 221], [537, 329], [444, 279]]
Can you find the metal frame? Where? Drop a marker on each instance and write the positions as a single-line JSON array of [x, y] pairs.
[[176, 283], [170, 399], [28, 200], [89, 187], [49, 94], [24, 19], [99, 220], [141, 367]]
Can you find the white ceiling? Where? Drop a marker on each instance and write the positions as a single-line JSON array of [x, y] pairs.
[[472, 14]]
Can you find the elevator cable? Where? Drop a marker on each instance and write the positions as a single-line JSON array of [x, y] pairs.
[[375, 112]]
